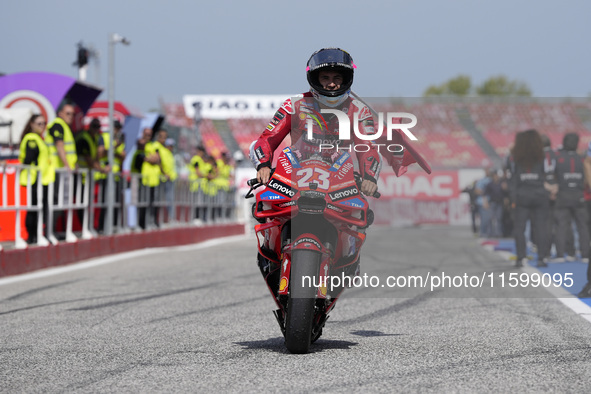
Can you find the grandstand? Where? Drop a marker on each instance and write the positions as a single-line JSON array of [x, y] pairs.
[[471, 133], [499, 121], [441, 137]]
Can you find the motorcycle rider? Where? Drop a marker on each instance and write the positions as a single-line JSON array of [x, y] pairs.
[[330, 76]]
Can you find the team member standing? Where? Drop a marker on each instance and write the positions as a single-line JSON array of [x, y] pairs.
[[169, 173], [34, 152], [103, 144], [586, 292], [62, 150], [570, 202], [530, 194], [151, 172], [60, 140], [119, 157], [86, 150]]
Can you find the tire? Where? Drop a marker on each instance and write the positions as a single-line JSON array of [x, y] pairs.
[[302, 299]]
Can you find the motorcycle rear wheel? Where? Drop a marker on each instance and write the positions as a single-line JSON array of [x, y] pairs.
[[299, 319]]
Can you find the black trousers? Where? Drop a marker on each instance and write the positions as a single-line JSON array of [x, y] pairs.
[[537, 209], [565, 215], [32, 217], [151, 209]]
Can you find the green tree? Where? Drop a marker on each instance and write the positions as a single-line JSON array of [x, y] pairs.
[[434, 90], [494, 86], [458, 86], [500, 85]]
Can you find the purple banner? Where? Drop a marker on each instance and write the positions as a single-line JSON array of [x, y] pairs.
[[43, 92]]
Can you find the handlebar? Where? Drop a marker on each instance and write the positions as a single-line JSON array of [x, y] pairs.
[[359, 180], [254, 184]]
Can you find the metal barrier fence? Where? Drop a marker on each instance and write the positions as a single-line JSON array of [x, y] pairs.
[[136, 207]]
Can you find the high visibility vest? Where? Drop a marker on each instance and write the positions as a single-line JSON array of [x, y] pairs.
[[85, 135], [69, 145], [104, 161], [43, 161], [168, 164], [193, 177], [209, 186], [134, 159], [224, 171], [118, 164], [151, 172]]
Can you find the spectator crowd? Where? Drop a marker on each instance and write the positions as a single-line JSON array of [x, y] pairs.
[[53, 152]]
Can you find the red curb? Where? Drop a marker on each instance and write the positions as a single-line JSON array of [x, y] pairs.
[[85, 249], [20, 261], [66, 253], [104, 246], [14, 261], [38, 258]]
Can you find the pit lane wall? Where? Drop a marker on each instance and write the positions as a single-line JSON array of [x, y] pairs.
[[419, 198], [19, 261]]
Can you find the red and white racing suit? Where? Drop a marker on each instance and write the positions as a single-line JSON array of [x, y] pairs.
[[292, 118]]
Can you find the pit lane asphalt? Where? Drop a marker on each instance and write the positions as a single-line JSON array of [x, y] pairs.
[[182, 320]]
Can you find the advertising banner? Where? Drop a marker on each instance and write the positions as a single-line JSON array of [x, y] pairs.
[[232, 106]]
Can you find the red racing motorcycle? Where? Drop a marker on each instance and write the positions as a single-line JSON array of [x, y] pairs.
[[312, 220]]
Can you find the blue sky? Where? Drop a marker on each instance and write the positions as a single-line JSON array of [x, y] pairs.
[[261, 47]]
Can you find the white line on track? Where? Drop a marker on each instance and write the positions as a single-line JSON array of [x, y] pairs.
[[568, 299], [118, 257]]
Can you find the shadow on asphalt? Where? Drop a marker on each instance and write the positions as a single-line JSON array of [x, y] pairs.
[[277, 345], [372, 333]]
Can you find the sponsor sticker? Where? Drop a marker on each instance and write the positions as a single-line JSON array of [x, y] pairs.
[[309, 241], [344, 170], [285, 164], [269, 195], [343, 193], [283, 284], [287, 106], [339, 162], [355, 203], [335, 208], [291, 157], [374, 166], [364, 113], [342, 185], [281, 188]]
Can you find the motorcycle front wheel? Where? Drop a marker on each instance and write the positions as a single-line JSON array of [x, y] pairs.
[[299, 321]]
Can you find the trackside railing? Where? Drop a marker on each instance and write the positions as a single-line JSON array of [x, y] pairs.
[[77, 194]]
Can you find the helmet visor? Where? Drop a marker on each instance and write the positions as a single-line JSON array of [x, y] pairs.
[[330, 57]]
